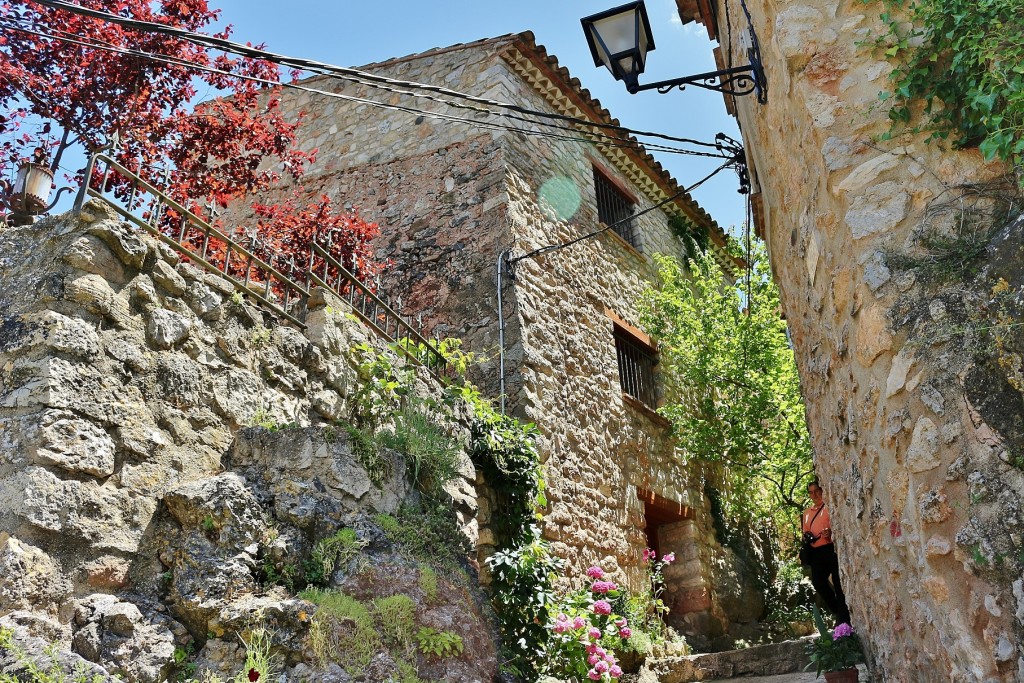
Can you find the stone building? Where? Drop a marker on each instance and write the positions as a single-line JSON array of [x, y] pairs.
[[453, 198], [911, 375]]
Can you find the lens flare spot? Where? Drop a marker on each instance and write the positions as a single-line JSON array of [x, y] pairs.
[[559, 198]]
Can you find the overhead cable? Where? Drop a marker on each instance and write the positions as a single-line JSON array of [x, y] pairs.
[[605, 141], [330, 69]]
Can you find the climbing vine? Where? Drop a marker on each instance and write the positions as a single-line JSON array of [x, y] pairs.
[[964, 60]]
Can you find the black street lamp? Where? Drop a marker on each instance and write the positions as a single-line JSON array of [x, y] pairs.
[[620, 39]]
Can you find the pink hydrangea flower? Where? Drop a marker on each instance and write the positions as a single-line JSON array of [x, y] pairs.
[[579, 622], [604, 586], [561, 627], [594, 675], [621, 622], [841, 631], [625, 632], [601, 653], [669, 559], [595, 573], [592, 649], [602, 607], [601, 666], [594, 633], [615, 671], [593, 659]]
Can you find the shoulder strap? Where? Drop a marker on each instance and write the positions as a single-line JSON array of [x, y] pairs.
[[804, 528]]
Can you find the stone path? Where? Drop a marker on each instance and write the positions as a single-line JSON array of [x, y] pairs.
[[805, 677]]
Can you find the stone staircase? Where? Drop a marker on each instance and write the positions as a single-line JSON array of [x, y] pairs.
[[781, 661], [775, 663]]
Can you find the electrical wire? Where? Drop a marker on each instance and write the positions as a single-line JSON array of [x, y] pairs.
[[314, 66], [606, 141], [562, 245]]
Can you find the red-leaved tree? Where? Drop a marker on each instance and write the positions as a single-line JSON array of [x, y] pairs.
[[66, 81]]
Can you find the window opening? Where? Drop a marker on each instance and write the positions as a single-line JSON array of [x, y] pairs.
[[636, 367], [614, 206]]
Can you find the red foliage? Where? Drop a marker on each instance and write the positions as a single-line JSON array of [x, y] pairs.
[[92, 94], [288, 230]]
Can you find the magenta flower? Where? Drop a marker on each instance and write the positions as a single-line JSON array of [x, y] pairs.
[[625, 632], [601, 667], [621, 623], [603, 586], [669, 559], [602, 607], [592, 649], [594, 633], [615, 671], [561, 626], [593, 659], [579, 622], [649, 554], [594, 675], [595, 573], [842, 630]]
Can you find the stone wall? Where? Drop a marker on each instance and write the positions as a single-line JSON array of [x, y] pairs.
[[126, 378], [911, 375]]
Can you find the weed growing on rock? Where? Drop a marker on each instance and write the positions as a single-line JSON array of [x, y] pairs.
[[260, 337], [342, 630], [429, 533], [33, 672], [397, 618], [407, 672], [432, 456], [331, 552], [367, 452], [439, 644], [428, 584]]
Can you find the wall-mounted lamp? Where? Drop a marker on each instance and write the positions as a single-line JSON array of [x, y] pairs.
[[30, 193], [620, 39]]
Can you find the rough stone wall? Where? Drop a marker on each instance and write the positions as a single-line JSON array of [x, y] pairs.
[[125, 377], [913, 408]]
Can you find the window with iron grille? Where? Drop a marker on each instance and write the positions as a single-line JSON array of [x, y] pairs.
[[614, 206], [636, 367]]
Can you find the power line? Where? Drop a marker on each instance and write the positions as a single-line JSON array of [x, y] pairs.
[[350, 74], [562, 245], [609, 141]]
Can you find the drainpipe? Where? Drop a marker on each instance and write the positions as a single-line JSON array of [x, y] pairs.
[[502, 263]]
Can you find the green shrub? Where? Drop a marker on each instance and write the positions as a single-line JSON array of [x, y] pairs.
[[397, 618]]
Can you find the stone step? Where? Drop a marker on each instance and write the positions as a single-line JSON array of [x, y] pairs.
[[775, 659]]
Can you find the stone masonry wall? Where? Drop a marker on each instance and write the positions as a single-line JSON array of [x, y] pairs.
[[912, 382], [126, 375]]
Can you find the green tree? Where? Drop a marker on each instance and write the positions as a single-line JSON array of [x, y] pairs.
[[737, 402]]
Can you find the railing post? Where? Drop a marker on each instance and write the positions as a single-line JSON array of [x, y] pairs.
[[83, 191]]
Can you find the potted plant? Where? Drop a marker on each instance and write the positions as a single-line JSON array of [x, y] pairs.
[[835, 653]]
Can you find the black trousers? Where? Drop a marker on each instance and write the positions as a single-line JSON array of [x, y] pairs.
[[825, 578]]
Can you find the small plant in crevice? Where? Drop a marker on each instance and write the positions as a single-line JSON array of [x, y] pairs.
[[383, 385], [429, 533], [431, 454], [329, 553], [34, 672], [397, 615], [367, 452], [428, 584], [184, 668], [353, 646], [439, 644]]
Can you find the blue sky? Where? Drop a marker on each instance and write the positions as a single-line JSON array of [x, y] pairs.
[[351, 33]]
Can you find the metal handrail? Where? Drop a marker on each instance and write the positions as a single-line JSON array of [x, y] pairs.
[[371, 309]]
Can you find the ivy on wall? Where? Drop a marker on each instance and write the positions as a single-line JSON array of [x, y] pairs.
[[964, 61]]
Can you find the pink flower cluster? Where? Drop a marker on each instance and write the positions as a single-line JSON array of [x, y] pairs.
[[650, 554], [603, 586], [841, 631], [595, 573], [601, 662]]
